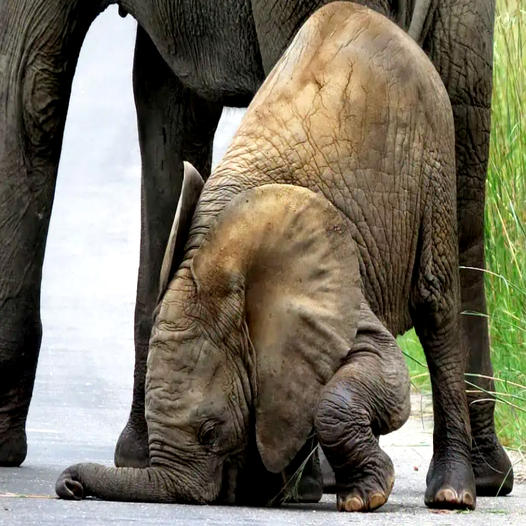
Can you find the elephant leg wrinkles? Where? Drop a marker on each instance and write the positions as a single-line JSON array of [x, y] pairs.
[[39, 46], [435, 311], [368, 396]]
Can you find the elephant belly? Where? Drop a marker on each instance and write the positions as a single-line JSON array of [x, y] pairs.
[[211, 47]]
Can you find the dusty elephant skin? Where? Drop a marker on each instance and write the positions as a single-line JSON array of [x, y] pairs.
[[191, 59], [328, 227]]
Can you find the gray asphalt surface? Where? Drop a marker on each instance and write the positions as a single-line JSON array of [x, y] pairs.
[[83, 386]]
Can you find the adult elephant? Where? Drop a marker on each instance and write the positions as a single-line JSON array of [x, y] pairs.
[[192, 58]]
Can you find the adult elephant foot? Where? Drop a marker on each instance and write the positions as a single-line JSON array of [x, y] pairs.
[[329, 479], [13, 448], [17, 375], [492, 467], [450, 485], [310, 485], [132, 447], [304, 475]]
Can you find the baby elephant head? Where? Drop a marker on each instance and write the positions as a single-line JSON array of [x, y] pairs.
[[255, 321]]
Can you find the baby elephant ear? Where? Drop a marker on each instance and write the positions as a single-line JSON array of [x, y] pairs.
[[302, 303], [190, 192], [293, 252]]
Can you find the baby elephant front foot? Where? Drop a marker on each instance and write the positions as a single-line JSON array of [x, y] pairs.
[[451, 485], [69, 486], [370, 485]]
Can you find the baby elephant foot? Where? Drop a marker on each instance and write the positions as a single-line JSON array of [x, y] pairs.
[[369, 487], [450, 485], [306, 475]]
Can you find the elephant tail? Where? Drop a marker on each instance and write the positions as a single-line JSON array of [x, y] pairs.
[[421, 19]]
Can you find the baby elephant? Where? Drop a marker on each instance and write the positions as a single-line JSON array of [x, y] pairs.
[[328, 228]]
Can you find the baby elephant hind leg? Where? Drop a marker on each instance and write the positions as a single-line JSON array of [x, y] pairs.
[[450, 479], [367, 397], [435, 311]]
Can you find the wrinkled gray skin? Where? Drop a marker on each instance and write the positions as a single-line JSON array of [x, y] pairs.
[[328, 228], [191, 59]]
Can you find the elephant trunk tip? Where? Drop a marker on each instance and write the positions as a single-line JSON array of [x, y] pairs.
[[68, 488]]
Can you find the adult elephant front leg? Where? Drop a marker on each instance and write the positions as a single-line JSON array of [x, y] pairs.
[[174, 125], [460, 45], [40, 42]]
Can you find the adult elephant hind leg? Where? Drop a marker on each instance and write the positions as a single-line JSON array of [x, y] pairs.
[[40, 42], [367, 397], [174, 125], [460, 45]]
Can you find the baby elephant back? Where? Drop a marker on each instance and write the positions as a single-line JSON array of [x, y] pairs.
[[356, 111]]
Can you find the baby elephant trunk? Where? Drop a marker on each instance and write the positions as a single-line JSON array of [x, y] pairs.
[[152, 484]]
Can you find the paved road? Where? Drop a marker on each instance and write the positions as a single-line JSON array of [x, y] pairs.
[[86, 424], [83, 387]]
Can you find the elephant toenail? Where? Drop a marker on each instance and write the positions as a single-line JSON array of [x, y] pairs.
[[447, 495], [377, 500], [354, 504], [468, 500]]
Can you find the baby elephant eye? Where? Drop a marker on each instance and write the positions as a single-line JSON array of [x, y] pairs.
[[208, 434]]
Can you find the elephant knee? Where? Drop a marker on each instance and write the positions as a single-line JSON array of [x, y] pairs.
[[340, 416]]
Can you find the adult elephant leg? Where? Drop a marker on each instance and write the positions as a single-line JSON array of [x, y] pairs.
[[40, 42], [174, 125], [460, 44]]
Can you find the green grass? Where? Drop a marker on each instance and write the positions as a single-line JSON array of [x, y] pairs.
[[505, 231]]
